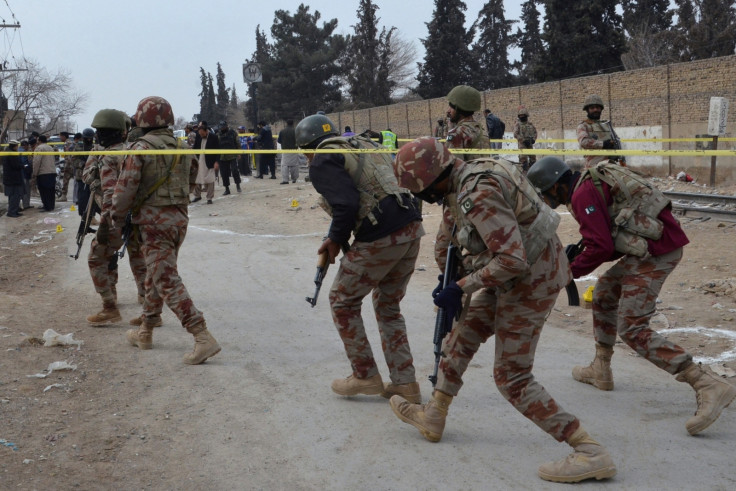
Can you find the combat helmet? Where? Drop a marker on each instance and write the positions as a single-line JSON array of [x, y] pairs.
[[110, 119], [154, 112], [464, 98], [593, 100], [312, 128], [546, 172], [419, 163], [88, 133], [523, 111]]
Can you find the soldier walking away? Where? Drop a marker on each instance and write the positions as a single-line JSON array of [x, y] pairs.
[[155, 188], [514, 267], [593, 133], [463, 101], [228, 161], [526, 136], [365, 201], [623, 217], [101, 174]]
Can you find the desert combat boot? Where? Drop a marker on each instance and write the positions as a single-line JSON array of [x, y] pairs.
[[409, 391], [590, 460], [353, 385], [152, 321], [205, 346], [428, 419], [108, 315], [712, 393], [141, 337], [598, 373]]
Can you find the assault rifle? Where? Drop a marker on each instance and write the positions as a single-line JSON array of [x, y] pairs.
[[127, 230], [323, 262], [572, 251], [443, 325], [616, 145], [84, 223]]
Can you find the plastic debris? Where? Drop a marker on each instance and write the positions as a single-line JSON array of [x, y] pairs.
[[57, 365], [49, 387], [51, 221], [6, 443], [53, 338], [27, 461]]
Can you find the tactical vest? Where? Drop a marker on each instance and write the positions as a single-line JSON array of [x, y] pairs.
[[228, 140], [372, 174], [527, 131], [479, 140], [635, 208], [537, 221], [175, 190], [389, 139]]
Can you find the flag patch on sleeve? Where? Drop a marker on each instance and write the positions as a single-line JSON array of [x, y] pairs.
[[589, 210]]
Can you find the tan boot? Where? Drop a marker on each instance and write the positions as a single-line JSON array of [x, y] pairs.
[[409, 391], [108, 315], [152, 321], [205, 346], [598, 373], [141, 337], [590, 460], [712, 393], [353, 385], [428, 419]]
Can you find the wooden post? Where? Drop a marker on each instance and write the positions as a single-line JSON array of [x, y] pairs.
[[713, 164]]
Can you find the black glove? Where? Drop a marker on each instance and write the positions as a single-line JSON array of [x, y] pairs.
[[450, 299], [571, 251], [527, 143], [438, 288], [609, 145], [103, 233], [533, 141]]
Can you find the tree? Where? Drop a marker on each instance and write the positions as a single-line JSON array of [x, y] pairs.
[[401, 69], [207, 104], [491, 49], [581, 37], [262, 55], [368, 59], [448, 61], [38, 98], [223, 96], [654, 14], [303, 71], [705, 29], [648, 26], [529, 41]]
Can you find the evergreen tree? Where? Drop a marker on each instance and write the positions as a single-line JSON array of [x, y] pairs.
[[223, 97], [367, 58], [207, 103], [582, 37], [705, 29], [211, 101], [530, 42], [648, 26], [304, 68], [491, 50], [654, 14], [448, 61]]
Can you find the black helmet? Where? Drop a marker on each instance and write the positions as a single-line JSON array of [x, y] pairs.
[[88, 133], [546, 172], [313, 128]]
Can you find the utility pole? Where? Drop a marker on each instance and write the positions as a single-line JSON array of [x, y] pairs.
[[3, 100]]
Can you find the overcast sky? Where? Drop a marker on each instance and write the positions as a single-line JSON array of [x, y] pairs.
[[119, 52]]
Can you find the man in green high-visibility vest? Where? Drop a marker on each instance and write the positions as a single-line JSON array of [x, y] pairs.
[[389, 139]]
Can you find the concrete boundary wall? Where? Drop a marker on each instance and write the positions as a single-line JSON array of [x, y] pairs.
[[673, 97]]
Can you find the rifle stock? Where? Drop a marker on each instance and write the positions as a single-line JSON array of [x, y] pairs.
[[323, 263], [127, 230], [443, 325]]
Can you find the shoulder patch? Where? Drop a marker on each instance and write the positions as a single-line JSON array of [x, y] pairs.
[[589, 210], [466, 205]]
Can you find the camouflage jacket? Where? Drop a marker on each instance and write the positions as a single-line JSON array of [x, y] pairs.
[[109, 169], [524, 131], [591, 135], [468, 133]]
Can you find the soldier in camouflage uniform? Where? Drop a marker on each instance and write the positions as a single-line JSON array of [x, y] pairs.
[[363, 198], [624, 217], [101, 174], [526, 136], [464, 131], [513, 266], [593, 133], [68, 164], [156, 189]]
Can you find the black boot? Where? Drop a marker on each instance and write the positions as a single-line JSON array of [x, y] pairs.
[[227, 191], [237, 187]]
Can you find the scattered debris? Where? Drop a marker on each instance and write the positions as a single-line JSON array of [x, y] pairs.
[[57, 365], [6, 443], [53, 338], [48, 387]]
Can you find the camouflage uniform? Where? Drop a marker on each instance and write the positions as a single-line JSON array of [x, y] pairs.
[[526, 135], [101, 175], [591, 135], [68, 169], [468, 133], [162, 223], [511, 298]]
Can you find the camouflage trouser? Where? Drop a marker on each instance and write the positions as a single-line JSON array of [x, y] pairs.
[[526, 161], [137, 261], [104, 278], [385, 269], [516, 320], [624, 300], [160, 244]]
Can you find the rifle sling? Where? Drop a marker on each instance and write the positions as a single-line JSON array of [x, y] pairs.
[[139, 203]]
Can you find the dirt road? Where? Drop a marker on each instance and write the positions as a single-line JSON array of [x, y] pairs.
[[261, 415]]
